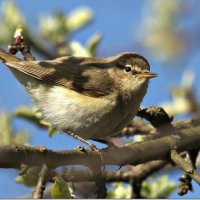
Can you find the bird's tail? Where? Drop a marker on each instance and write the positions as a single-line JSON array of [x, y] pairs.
[[13, 64], [7, 57]]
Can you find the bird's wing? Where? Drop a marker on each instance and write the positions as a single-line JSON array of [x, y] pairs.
[[70, 72]]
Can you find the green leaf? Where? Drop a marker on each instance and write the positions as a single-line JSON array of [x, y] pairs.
[[11, 17], [93, 43], [34, 115], [7, 135], [159, 188], [53, 27], [31, 114], [12, 14], [6, 130], [78, 49], [60, 189], [51, 131], [119, 191], [158, 31], [30, 178], [78, 18]]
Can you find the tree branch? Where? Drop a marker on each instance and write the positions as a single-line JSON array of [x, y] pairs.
[[186, 166], [40, 187], [135, 153], [137, 173], [137, 127]]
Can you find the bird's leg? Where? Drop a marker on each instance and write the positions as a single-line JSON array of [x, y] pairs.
[[90, 145]]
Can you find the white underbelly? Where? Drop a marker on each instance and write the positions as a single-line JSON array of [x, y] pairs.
[[68, 111], [90, 118]]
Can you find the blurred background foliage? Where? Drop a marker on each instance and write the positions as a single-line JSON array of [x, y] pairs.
[[164, 33], [154, 188]]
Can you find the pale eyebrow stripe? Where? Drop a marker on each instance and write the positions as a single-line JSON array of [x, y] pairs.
[[136, 68]]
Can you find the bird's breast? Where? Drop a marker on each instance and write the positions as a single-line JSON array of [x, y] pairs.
[[69, 110], [88, 117]]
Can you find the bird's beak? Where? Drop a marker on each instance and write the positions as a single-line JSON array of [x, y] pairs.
[[149, 75]]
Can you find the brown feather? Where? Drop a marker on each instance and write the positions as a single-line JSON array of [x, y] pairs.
[[70, 72], [7, 57], [86, 75]]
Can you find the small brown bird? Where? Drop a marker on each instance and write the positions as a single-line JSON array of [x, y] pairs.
[[91, 97]]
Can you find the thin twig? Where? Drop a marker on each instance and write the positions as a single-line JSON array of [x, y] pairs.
[[19, 45], [137, 127], [25, 50], [23, 169], [136, 190], [193, 157], [185, 184], [156, 115], [186, 166], [100, 184], [185, 180], [137, 173], [40, 187]]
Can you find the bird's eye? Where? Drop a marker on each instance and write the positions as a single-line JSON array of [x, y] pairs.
[[127, 68]]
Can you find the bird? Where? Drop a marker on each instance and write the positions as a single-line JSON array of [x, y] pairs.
[[92, 97]]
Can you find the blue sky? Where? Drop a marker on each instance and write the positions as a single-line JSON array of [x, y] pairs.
[[118, 21]]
